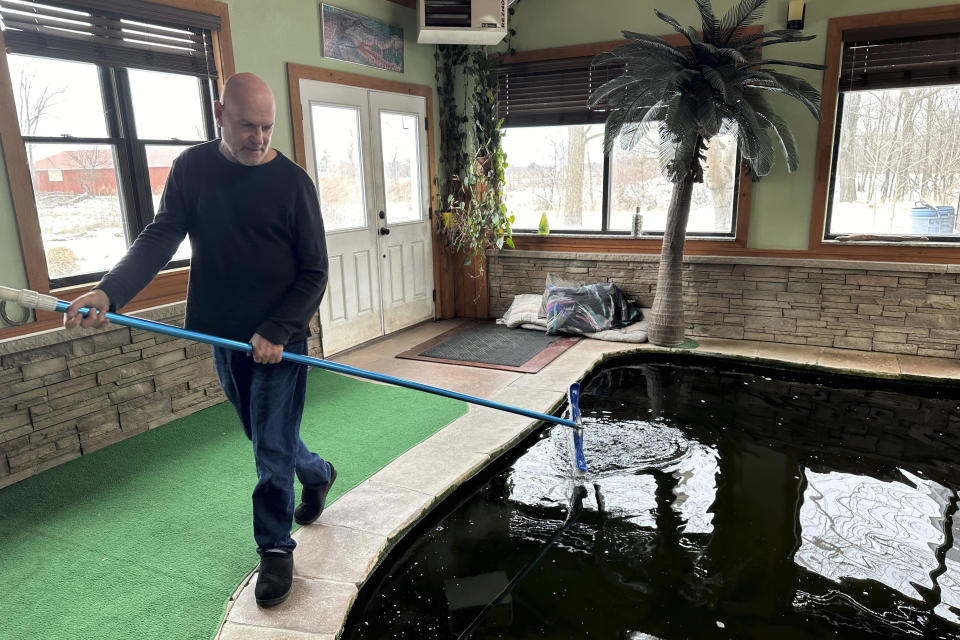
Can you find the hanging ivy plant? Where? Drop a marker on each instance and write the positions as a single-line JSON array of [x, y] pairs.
[[474, 216], [453, 158]]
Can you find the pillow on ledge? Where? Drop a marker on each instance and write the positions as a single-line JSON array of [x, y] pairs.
[[525, 308]]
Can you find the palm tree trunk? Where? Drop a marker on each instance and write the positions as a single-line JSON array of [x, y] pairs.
[[666, 318]]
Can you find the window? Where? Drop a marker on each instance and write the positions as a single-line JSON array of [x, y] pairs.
[[556, 165], [106, 97], [896, 161]]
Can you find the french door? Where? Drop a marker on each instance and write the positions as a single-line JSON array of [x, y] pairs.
[[366, 151]]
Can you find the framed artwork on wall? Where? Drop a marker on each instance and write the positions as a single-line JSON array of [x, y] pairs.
[[352, 37]]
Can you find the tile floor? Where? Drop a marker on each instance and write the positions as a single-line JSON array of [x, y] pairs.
[[337, 554]]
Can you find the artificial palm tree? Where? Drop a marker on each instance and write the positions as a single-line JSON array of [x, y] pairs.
[[690, 94]]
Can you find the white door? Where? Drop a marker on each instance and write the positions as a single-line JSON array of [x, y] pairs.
[[366, 151]]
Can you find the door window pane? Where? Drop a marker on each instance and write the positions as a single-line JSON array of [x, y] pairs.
[[401, 166], [78, 206], [897, 169], [336, 143], [557, 171], [166, 106], [159, 160], [637, 184], [57, 98]]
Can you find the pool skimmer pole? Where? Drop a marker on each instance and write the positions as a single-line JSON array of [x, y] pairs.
[[33, 300]]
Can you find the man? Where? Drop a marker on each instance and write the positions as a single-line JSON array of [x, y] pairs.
[[258, 273]]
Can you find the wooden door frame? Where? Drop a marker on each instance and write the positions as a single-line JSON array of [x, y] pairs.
[[443, 285]]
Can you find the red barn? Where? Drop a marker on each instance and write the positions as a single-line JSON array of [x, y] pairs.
[[92, 171]]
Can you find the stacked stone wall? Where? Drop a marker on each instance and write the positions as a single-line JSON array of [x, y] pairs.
[[67, 393], [888, 307]]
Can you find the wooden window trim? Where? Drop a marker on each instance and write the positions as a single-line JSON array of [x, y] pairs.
[[442, 278], [588, 244], [168, 286], [890, 252]]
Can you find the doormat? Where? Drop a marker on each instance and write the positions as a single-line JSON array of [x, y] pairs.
[[492, 346]]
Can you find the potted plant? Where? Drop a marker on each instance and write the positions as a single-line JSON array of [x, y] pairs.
[[689, 95]]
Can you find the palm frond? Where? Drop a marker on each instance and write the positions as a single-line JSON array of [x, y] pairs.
[[796, 88], [611, 87], [758, 149], [746, 43], [789, 63], [767, 43], [746, 12], [651, 42], [633, 132], [611, 128], [715, 80], [710, 22], [788, 144], [731, 55], [666, 152], [639, 111], [620, 83], [670, 20], [634, 54]]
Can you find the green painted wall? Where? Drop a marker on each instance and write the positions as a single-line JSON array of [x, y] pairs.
[[12, 271], [780, 215], [267, 35]]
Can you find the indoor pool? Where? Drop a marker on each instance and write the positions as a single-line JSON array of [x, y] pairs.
[[724, 500]]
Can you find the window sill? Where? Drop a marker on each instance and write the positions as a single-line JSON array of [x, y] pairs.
[[610, 236], [169, 286], [890, 243]]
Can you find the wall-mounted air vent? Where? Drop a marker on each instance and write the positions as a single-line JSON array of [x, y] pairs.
[[462, 21], [446, 13]]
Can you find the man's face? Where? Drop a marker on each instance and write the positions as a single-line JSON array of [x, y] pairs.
[[246, 124]]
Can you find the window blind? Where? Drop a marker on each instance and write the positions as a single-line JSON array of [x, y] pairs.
[[551, 92], [910, 55], [124, 33]]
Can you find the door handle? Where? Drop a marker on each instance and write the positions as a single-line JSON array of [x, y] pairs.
[[384, 231]]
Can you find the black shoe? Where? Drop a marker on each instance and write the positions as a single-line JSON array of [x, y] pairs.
[[276, 577], [312, 500]]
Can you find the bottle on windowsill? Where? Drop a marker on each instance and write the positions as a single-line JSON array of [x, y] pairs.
[[544, 227]]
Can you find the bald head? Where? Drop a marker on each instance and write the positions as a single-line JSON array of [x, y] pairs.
[[245, 114], [246, 87]]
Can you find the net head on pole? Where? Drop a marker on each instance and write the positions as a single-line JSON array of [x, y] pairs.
[[575, 436]]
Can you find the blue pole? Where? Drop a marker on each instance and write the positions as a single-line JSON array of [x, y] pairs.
[[166, 329]]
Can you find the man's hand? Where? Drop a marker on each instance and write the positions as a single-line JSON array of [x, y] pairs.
[[264, 351], [97, 301]]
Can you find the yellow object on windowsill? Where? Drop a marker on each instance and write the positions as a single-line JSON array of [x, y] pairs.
[[544, 227]]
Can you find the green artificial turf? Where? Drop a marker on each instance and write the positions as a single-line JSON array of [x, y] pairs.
[[149, 537]]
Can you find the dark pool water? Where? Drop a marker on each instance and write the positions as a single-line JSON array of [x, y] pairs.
[[723, 501]]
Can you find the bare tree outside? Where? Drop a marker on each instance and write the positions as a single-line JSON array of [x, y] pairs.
[[559, 171], [898, 164], [37, 98]]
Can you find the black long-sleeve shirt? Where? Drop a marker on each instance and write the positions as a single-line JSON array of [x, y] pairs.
[[259, 257]]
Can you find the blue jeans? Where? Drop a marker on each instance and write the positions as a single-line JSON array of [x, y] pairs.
[[269, 400]]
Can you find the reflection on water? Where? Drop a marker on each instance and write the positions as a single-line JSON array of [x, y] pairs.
[[720, 503], [863, 528]]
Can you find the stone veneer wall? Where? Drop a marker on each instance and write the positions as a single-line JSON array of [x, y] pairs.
[[64, 394], [890, 307]]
